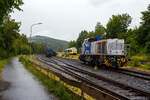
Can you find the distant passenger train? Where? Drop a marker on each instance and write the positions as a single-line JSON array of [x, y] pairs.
[[71, 51], [110, 52], [50, 52]]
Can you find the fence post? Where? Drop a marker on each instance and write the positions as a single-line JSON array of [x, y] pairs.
[[82, 94]]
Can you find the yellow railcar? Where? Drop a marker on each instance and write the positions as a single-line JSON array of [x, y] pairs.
[[71, 51]]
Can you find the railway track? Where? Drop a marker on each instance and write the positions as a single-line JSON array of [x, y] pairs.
[[141, 75], [123, 91]]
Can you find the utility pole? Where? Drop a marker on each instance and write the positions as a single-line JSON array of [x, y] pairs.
[[31, 34]]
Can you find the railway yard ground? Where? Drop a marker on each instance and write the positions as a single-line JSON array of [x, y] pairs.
[[101, 84]]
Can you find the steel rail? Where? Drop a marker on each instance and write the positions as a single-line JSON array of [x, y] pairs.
[[106, 79], [141, 75], [83, 79]]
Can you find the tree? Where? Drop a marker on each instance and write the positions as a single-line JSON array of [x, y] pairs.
[[9, 33], [11, 42], [81, 38], [7, 6], [72, 44], [99, 30], [8, 28], [130, 38], [118, 24], [38, 48], [143, 36]]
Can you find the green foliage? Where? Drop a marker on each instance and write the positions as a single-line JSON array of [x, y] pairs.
[[63, 55], [72, 44], [7, 6], [143, 36], [9, 29], [2, 64], [138, 61], [146, 66], [66, 55], [147, 47], [81, 38], [117, 24], [130, 38], [99, 30], [12, 43], [135, 63], [38, 48]]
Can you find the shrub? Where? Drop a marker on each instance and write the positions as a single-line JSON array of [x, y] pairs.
[[136, 63], [147, 47]]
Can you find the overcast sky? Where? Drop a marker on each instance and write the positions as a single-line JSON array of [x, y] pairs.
[[64, 19]]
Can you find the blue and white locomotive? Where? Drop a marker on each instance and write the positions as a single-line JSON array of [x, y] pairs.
[[110, 52]]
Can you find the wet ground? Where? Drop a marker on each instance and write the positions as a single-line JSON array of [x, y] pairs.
[[23, 85]]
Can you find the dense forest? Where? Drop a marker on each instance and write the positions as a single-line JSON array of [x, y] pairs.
[[118, 27], [13, 43]]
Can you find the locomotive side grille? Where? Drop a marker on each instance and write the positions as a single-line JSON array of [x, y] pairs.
[[115, 46]]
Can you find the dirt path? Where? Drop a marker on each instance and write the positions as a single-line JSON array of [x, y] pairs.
[[23, 85]]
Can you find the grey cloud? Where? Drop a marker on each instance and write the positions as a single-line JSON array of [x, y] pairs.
[[98, 2], [64, 19]]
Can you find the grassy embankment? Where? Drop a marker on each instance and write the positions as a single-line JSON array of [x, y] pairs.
[[140, 62], [52, 83], [2, 65], [59, 54]]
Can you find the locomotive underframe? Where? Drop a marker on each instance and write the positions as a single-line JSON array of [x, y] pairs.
[[108, 60]]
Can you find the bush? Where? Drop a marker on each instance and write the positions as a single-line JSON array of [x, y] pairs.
[[147, 47], [63, 55], [66, 55], [136, 63]]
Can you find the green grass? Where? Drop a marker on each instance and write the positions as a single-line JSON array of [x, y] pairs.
[[57, 88], [137, 59], [2, 65], [143, 57], [146, 66], [64, 55]]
